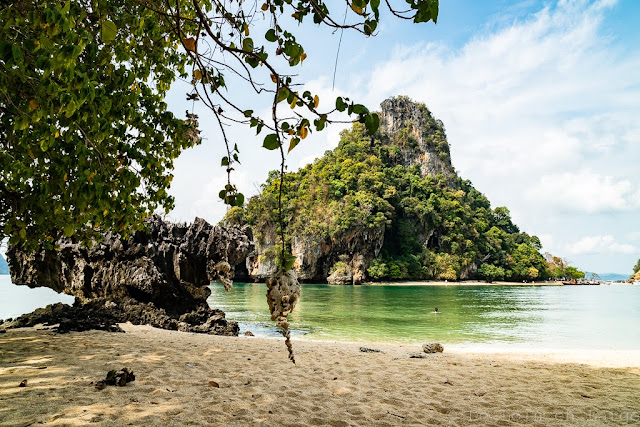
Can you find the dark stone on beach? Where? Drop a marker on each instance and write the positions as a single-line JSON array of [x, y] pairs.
[[432, 347], [158, 277], [248, 334], [417, 356], [370, 350], [3, 331], [105, 315]]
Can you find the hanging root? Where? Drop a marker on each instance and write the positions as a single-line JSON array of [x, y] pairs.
[[283, 292], [287, 338]]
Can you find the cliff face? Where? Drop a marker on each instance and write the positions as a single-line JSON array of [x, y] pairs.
[[343, 256], [167, 269], [420, 137]]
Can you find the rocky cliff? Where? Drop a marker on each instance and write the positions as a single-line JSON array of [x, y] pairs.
[[420, 137], [167, 269], [341, 255], [388, 207]]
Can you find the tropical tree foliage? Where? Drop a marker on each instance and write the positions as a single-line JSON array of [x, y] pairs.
[[82, 82], [559, 268], [86, 140], [436, 227]]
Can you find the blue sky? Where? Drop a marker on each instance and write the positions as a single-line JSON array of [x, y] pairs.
[[540, 100]]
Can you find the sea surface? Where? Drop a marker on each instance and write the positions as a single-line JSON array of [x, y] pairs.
[[17, 300], [553, 317]]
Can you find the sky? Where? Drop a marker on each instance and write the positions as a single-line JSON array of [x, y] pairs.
[[540, 101]]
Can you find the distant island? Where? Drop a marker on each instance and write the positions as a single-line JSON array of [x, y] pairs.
[[391, 207], [4, 267]]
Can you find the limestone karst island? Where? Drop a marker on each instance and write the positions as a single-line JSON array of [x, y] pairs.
[[304, 214]]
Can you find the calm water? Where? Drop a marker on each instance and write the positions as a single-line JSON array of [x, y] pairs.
[[582, 317], [17, 300]]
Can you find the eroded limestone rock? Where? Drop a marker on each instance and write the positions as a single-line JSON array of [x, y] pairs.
[[159, 277]]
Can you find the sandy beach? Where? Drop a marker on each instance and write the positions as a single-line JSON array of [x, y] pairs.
[[191, 379]]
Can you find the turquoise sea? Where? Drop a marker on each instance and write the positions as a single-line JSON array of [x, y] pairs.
[[555, 317], [558, 317]]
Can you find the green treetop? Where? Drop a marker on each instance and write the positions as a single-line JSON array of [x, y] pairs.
[[86, 141]]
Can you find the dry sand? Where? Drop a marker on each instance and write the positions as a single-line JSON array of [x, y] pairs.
[[332, 384]]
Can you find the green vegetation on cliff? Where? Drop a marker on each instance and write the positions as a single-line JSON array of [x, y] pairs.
[[435, 226]]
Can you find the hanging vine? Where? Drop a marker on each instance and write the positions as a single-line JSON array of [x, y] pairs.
[[216, 35]]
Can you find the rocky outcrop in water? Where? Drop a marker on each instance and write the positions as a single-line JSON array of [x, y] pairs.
[[165, 270], [419, 139], [103, 314]]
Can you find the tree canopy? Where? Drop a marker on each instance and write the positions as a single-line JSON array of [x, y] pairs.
[[436, 227], [86, 141]]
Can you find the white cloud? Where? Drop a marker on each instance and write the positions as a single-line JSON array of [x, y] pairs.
[[583, 191], [599, 245], [541, 95]]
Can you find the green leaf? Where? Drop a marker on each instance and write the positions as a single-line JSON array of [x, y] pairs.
[[225, 161], [247, 45], [372, 123], [239, 199], [270, 35], [293, 143], [283, 94], [271, 142], [248, 113], [17, 53], [108, 31], [67, 231], [289, 261], [222, 194]]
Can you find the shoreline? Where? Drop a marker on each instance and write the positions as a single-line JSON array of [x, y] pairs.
[[462, 283], [185, 378]]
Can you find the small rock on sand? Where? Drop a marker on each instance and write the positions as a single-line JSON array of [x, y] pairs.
[[432, 347], [370, 350]]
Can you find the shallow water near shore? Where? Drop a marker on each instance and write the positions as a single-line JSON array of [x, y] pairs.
[[554, 317], [17, 300], [477, 317]]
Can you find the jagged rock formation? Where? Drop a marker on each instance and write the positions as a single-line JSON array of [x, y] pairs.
[[168, 268], [420, 137], [317, 256], [388, 207], [421, 141], [104, 314]]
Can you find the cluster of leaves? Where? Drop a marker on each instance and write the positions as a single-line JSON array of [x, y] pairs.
[[83, 124], [223, 42], [560, 269], [436, 227], [86, 141]]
